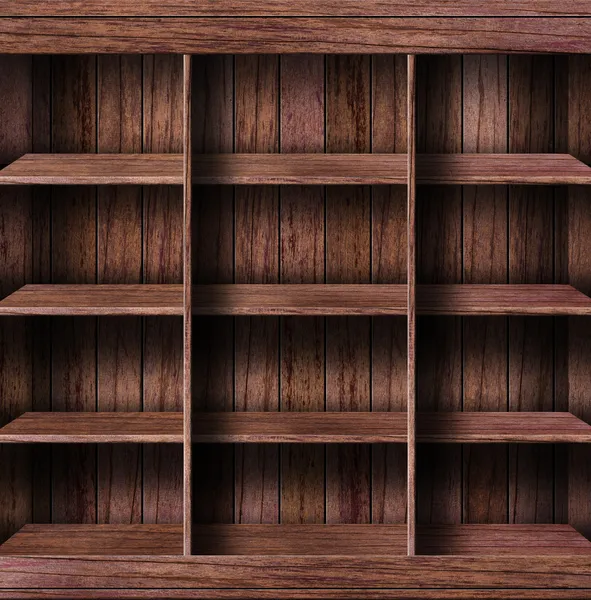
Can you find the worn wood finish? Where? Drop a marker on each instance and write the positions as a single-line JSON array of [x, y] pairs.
[[293, 572], [93, 540], [284, 35], [90, 427], [328, 8]]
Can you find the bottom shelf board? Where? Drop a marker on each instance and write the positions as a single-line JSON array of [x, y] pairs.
[[471, 540]]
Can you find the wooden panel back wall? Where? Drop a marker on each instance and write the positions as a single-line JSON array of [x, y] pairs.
[[291, 234]]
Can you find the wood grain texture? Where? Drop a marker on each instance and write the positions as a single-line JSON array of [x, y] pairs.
[[284, 35], [328, 8], [95, 540], [163, 217], [302, 248], [531, 341], [348, 260], [389, 266], [94, 427], [95, 299], [213, 262], [293, 572], [95, 169], [257, 261], [485, 231]]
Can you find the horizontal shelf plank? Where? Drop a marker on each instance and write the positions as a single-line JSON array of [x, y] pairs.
[[115, 300], [501, 169], [305, 428], [100, 427], [300, 169], [95, 540], [95, 169], [283, 540]]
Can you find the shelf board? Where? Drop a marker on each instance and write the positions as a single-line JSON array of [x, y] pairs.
[[63, 300], [299, 299], [99, 428], [362, 540], [302, 427], [112, 540], [95, 169], [300, 169], [507, 299], [504, 169]]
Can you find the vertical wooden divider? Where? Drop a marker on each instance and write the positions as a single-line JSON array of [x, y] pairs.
[[187, 304], [411, 309]]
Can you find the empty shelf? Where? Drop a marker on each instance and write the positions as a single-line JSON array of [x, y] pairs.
[[302, 169], [67, 540], [311, 427], [141, 299], [501, 427], [509, 299], [537, 169], [102, 427], [95, 169], [299, 299]]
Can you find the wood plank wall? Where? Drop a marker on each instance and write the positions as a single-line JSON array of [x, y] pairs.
[[300, 234]]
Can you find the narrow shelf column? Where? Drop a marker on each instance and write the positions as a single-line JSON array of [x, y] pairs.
[[187, 308], [411, 304]]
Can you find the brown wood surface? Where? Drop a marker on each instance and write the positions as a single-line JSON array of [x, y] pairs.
[[453, 35], [92, 299], [327, 8], [90, 427], [293, 572], [95, 169]]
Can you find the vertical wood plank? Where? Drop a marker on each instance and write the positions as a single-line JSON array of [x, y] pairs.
[[257, 261], [411, 309], [119, 261], [302, 261], [485, 261], [389, 260], [16, 335], [187, 325], [163, 263], [439, 260], [531, 340], [579, 271], [213, 262], [348, 260], [74, 385]]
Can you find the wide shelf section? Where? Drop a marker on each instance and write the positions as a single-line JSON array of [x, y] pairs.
[[94, 169], [64, 540], [99, 427], [296, 427], [91, 299], [300, 169]]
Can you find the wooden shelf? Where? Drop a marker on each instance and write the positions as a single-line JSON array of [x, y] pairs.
[[113, 540], [62, 300], [471, 169], [95, 169], [301, 169], [302, 427], [100, 428], [476, 540]]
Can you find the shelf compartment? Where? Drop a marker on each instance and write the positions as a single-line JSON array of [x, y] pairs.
[[502, 169], [99, 428], [94, 169], [97, 540], [114, 300], [504, 299], [282, 540], [301, 427], [300, 169], [299, 299]]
